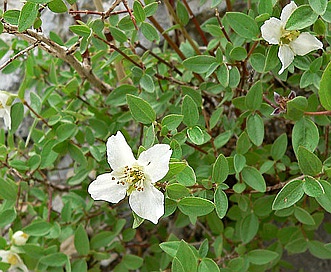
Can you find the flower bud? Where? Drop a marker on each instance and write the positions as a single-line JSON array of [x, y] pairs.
[[19, 238]]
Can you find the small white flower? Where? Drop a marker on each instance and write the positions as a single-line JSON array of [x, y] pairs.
[[19, 238], [291, 42], [5, 108], [134, 178], [14, 260]]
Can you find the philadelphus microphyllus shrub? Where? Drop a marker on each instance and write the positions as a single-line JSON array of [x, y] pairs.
[[291, 42], [135, 178]]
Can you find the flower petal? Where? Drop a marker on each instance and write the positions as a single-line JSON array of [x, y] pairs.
[[277, 97], [119, 153], [4, 254], [148, 204], [286, 56], [272, 30], [3, 99], [105, 187], [287, 11], [291, 95], [305, 43], [156, 161]]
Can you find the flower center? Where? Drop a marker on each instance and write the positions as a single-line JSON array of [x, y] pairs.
[[133, 176], [289, 36], [12, 259]]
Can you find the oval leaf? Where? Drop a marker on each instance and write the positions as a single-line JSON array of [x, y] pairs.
[[195, 206], [140, 109], [288, 195], [253, 178]]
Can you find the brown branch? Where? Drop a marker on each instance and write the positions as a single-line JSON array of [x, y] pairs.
[[19, 54], [196, 23], [36, 114], [125, 3], [221, 25], [59, 52], [94, 12], [318, 113]]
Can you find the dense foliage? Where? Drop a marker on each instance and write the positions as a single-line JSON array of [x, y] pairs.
[[243, 101]]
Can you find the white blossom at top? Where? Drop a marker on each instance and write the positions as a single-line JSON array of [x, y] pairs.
[[14, 260], [19, 238], [5, 108], [135, 178], [291, 42]]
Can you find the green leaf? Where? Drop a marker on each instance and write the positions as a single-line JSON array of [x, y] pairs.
[[327, 15], [258, 62], [296, 107], [56, 259], [187, 176], [221, 202], [239, 162], [312, 187], [238, 53], [195, 206], [81, 30], [223, 74], [132, 262], [65, 131], [138, 12], [325, 85], [57, 6], [243, 143], [102, 239], [305, 133], [176, 191], [12, 16], [172, 121], [81, 241], [254, 97], [7, 217], [297, 246], [39, 228], [149, 32], [182, 13], [319, 6], [318, 249], [147, 83], [199, 64], [220, 169], [118, 34], [303, 216], [77, 154], [28, 15], [186, 257], [325, 199], [8, 189], [189, 111], [309, 163], [150, 9], [196, 135], [253, 178], [291, 193], [261, 256], [209, 265], [243, 25], [140, 109], [301, 17], [279, 147], [255, 129], [249, 227], [170, 248], [17, 115]]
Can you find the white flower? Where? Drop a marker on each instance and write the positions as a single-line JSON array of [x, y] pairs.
[[134, 178], [14, 260], [291, 42], [5, 108], [19, 238]]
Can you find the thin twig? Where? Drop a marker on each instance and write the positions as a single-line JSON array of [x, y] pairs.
[[19, 54], [36, 114], [221, 25], [59, 52], [196, 23], [125, 3], [94, 12], [318, 113]]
